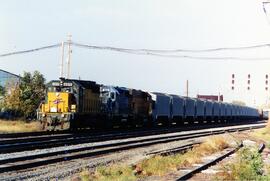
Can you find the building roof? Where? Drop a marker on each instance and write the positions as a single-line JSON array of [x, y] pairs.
[[1, 70]]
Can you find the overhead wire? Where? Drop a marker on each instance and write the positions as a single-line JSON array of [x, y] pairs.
[[31, 50], [266, 45], [154, 53], [158, 52]]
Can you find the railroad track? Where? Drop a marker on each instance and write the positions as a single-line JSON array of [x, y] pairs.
[[8, 145], [213, 162], [92, 132], [16, 163]]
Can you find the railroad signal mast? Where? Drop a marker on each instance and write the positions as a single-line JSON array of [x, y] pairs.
[[248, 82], [266, 82], [233, 81]]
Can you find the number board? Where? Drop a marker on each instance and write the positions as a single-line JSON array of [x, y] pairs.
[[64, 84]]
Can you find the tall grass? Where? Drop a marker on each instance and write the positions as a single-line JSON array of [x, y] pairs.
[[262, 134], [114, 173], [19, 126], [248, 165], [159, 165]]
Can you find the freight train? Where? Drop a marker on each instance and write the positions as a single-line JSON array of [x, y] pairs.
[[79, 104]]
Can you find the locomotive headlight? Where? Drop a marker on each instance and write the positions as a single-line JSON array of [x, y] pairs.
[[73, 106], [43, 115], [62, 115]]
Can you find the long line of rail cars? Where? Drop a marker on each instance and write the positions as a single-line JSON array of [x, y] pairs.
[[78, 104]]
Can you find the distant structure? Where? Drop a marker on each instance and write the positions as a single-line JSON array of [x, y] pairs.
[[7, 77], [211, 97]]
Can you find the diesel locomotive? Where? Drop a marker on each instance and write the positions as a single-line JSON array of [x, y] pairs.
[[80, 104]]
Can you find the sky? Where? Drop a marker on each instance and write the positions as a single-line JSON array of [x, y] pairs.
[[149, 24]]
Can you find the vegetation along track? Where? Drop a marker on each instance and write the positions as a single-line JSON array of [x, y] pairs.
[[205, 166], [36, 141], [34, 160]]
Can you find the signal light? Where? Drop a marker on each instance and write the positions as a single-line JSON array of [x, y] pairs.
[[248, 81], [233, 76], [266, 88], [266, 76], [249, 76], [266, 82], [248, 88]]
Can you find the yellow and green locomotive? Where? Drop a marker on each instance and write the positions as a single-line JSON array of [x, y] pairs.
[[70, 104]]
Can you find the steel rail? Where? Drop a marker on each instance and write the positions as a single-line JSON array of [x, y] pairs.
[[28, 135], [214, 162], [16, 147], [19, 163]]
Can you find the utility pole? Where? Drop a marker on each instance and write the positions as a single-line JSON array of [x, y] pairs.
[[62, 60], [187, 88], [69, 56]]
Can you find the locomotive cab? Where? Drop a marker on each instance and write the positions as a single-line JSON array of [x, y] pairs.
[[59, 106]]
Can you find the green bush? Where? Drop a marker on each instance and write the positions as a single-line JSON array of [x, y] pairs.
[[247, 166]]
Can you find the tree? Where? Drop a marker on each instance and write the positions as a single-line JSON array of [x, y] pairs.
[[2, 94], [32, 92], [12, 102], [24, 97], [2, 91]]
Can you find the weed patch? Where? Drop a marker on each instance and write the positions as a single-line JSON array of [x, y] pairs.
[[159, 165], [263, 134], [19, 126], [114, 172], [248, 165]]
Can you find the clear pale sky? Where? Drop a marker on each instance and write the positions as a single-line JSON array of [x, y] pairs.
[[153, 24]]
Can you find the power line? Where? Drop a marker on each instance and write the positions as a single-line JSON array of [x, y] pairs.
[[153, 53], [158, 53], [266, 45], [31, 50], [212, 58]]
